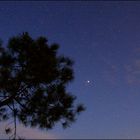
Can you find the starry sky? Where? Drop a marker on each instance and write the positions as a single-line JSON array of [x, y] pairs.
[[103, 38]]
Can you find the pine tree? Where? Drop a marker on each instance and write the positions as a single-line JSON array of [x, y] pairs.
[[33, 81]]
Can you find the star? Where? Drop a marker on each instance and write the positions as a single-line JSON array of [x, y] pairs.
[[88, 82]]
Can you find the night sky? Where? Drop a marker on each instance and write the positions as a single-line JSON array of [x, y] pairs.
[[103, 38]]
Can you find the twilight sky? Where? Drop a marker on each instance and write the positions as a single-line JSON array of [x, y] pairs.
[[103, 38]]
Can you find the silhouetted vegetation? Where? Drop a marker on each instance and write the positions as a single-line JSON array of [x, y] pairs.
[[33, 80]]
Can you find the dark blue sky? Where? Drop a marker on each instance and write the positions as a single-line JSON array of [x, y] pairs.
[[103, 38]]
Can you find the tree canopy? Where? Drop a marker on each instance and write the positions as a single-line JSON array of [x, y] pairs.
[[33, 81]]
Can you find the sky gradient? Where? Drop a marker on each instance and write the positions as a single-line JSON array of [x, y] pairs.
[[103, 38]]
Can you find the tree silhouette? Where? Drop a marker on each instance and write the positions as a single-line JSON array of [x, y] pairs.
[[33, 80]]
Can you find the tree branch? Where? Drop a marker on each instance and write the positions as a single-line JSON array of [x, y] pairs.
[[10, 99], [7, 101]]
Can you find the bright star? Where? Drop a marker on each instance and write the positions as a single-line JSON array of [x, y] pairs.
[[88, 81]]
